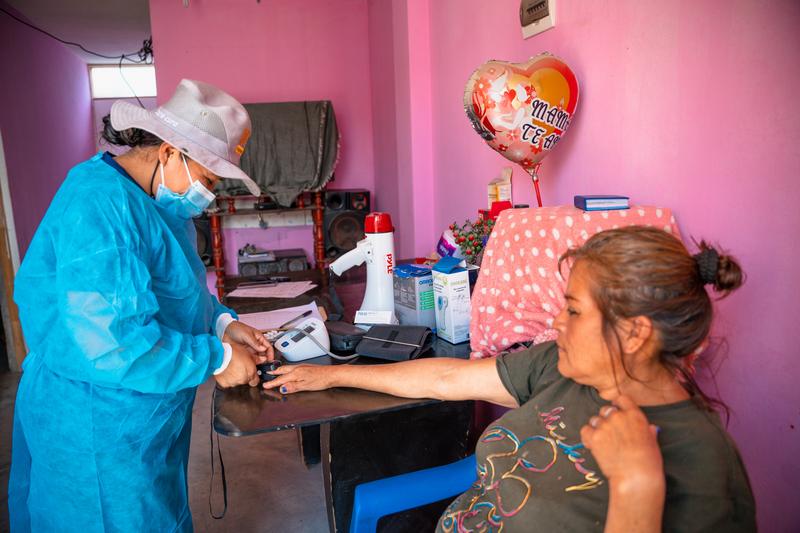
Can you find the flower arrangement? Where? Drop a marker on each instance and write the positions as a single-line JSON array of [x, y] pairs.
[[471, 237]]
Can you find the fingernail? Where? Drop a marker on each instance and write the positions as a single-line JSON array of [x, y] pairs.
[[283, 390]]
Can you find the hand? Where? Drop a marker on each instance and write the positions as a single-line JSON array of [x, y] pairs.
[[239, 332], [241, 369], [625, 447], [295, 378]]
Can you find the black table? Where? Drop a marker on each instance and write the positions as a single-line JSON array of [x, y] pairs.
[[363, 435]]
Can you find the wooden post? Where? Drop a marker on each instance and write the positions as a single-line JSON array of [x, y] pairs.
[[10, 314], [218, 253], [319, 232]]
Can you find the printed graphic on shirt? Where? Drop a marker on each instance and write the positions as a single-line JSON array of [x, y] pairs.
[[507, 478]]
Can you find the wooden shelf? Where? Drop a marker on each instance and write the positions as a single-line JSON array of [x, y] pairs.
[[262, 212], [259, 216]]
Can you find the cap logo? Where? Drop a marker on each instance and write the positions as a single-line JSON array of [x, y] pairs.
[[171, 121], [240, 147]]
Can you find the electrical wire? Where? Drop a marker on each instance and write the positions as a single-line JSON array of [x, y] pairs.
[[122, 75], [144, 54], [294, 331]]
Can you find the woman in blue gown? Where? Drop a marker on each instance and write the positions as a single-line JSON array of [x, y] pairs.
[[120, 325]]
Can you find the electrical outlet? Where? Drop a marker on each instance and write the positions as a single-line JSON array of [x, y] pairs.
[[536, 16]]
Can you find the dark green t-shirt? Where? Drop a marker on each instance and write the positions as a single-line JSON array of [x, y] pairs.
[[535, 475]]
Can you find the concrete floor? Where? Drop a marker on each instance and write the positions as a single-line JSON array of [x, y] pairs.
[[269, 488]]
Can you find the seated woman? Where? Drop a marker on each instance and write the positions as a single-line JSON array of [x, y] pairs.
[[609, 428]]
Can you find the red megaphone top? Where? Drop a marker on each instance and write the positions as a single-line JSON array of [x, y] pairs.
[[378, 223]]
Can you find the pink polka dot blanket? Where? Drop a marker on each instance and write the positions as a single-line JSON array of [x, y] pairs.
[[520, 290]]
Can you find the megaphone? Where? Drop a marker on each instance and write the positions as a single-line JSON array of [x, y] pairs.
[[377, 250]]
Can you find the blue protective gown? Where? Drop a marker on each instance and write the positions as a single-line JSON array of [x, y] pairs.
[[114, 307]]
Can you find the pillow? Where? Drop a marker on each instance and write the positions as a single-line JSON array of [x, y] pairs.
[[520, 291]]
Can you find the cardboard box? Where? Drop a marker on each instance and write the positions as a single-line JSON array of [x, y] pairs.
[[413, 296], [451, 292], [499, 189]]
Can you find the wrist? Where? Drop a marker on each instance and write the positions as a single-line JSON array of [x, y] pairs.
[[223, 321], [337, 377], [227, 355], [639, 484]]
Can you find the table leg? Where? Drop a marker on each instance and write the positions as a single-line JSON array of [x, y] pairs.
[[325, 449], [319, 232], [308, 438]]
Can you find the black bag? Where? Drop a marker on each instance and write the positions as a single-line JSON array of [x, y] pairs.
[[395, 343]]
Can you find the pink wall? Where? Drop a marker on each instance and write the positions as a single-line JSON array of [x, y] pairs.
[[401, 100], [386, 85], [45, 119], [281, 50], [687, 104]]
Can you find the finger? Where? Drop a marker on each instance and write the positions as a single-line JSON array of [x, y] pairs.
[[278, 381], [254, 382], [256, 340], [270, 352], [655, 430], [284, 369], [595, 421], [261, 359], [624, 403], [587, 435], [250, 340], [607, 410], [288, 388]]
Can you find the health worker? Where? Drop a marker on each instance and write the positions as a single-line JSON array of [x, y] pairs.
[[120, 324]]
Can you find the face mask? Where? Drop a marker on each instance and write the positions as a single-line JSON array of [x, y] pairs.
[[189, 204]]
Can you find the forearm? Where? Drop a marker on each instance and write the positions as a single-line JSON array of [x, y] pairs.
[[440, 378], [421, 378], [149, 359], [636, 506]]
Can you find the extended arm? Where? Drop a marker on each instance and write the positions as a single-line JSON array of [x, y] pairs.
[[440, 378]]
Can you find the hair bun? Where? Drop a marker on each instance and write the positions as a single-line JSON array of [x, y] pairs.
[[707, 264], [722, 271], [131, 137]]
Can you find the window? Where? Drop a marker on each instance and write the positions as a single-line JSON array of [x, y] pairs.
[[112, 81]]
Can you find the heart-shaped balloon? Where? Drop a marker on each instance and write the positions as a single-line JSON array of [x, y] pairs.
[[522, 110]]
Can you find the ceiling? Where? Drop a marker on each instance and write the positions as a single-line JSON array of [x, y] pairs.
[[109, 27]]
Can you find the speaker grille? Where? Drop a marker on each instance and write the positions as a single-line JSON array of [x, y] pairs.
[[345, 211], [346, 230]]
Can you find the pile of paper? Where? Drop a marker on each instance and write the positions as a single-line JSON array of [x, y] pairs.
[[287, 289]]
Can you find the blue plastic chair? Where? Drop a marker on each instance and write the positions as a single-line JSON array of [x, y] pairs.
[[399, 493]]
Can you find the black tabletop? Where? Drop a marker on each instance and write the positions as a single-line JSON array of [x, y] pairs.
[[247, 410]]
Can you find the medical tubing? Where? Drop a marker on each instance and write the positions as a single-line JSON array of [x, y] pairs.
[[334, 297], [321, 347]]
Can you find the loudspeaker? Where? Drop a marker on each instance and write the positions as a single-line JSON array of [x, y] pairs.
[[203, 227], [345, 211]]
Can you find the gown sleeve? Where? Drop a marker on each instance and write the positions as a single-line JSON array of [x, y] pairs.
[[106, 327]]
